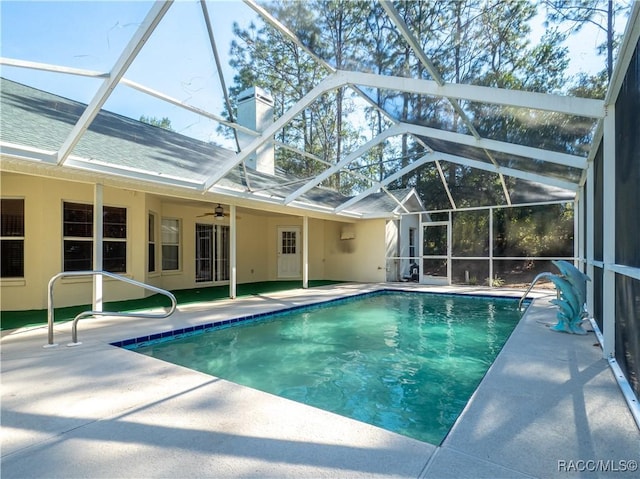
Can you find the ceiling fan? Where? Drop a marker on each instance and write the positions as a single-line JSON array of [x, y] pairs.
[[218, 213]]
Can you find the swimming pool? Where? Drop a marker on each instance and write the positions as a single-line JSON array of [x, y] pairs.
[[406, 362]]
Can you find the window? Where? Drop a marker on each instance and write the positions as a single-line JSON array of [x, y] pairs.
[[151, 257], [204, 252], [288, 242], [114, 244], [170, 244], [12, 238], [78, 238], [212, 252]]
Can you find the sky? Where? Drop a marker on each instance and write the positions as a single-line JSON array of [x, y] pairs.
[[176, 60]]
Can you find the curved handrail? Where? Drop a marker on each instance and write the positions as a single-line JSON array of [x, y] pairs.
[[535, 280], [74, 328]]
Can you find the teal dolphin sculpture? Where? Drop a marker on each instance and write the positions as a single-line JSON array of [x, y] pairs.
[[572, 288]]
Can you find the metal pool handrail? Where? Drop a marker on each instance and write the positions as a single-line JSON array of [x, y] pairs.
[[74, 328], [535, 280]]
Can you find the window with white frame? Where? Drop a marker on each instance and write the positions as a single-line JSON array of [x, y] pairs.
[[77, 234], [288, 242], [114, 244], [12, 238], [78, 238], [170, 244]]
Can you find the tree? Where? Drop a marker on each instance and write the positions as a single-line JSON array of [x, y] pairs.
[[576, 14], [481, 43], [342, 23], [164, 122], [264, 57], [485, 44]]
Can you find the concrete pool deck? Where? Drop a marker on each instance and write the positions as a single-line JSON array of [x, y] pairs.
[[548, 402]]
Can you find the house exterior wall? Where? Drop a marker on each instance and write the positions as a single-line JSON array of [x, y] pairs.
[[38, 262], [184, 276], [253, 251], [153, 205], [272, 242], [359, 259], [316, 245], [43, 242], [317, 248], [330, 257]]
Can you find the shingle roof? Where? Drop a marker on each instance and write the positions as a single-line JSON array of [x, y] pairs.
[[41, 120], [377, 202]]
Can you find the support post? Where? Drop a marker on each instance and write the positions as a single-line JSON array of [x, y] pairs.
[[98, 234], [305, 252], [609, 234], [449, 246], [491, 247], [590, 252], [233, 253], [577, 232]]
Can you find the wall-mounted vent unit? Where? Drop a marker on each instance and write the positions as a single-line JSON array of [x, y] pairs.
[[347, 233]]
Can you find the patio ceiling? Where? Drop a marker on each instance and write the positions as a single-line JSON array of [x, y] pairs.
[[464, 146]]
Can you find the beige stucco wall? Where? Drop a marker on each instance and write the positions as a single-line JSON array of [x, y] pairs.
[[43, 242], [253, 253], [316, 242], [359, 259], [154, 206], [317, 248], [39, 262]]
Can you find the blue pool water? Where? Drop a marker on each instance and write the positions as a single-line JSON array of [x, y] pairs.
[[406, 362]]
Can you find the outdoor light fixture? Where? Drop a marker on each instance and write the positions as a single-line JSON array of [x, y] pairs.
[[219, 212]]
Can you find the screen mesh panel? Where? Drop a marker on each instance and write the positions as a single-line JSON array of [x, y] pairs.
[[597, 205], [597, 296], [628, 329], [628, 167]]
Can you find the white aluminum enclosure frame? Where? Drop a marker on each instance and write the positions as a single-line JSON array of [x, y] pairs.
[[153, 18], [335, 79], [18, 157], [427, 279], [605, 134], [539, 101], [490, 258]]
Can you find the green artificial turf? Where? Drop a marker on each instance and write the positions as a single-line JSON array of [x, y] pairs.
[[19, 319]]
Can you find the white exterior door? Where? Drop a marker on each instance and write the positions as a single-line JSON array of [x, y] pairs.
[[204, 253], [212, 252], [289, 252]]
